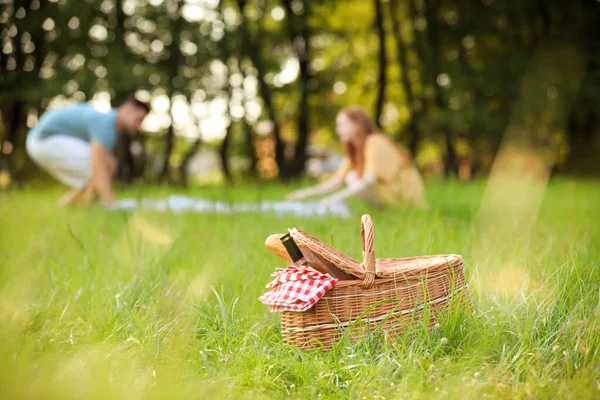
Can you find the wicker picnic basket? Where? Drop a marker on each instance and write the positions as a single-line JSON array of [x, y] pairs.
[[387, 294]]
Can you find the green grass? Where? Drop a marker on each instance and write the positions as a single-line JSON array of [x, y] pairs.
[[152, 305]]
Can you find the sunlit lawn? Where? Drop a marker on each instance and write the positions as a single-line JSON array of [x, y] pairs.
[[156, 305]]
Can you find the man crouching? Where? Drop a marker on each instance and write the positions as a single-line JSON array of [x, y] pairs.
[[74, 144]]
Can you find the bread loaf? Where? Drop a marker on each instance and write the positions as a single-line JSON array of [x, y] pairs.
[[273, 243]]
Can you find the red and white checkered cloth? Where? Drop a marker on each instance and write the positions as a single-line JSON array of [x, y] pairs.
[[296, 288]]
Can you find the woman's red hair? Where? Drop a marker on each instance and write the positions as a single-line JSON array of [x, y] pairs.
[[355, 150]]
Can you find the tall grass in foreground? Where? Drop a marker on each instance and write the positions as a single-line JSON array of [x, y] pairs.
[[151, 305]]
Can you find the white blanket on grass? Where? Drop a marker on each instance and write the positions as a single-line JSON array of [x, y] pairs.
[[180, 203]]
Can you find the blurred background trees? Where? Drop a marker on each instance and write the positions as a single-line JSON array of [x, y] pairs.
[[255, 82]]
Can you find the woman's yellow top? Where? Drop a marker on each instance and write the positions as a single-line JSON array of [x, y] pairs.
[[397, 179]]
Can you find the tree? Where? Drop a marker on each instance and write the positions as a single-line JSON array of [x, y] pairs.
[[402, 51], [382, 66]]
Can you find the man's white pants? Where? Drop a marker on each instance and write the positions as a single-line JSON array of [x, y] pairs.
[[66, 158]]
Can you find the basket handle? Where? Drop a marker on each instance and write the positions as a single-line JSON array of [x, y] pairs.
[[368, 243]]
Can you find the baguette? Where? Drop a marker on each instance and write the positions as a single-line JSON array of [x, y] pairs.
[[273, 243]]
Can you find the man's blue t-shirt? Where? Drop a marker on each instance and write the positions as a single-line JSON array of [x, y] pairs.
[[81, 121]]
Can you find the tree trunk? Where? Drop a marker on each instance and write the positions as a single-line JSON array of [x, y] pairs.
[[248, 134], [250, 150], [431, 12], [6, 108], [17, 126], [300, 37], [224, 154], [173, 63], [418, 38], [413, 129], [183, 168], [169, 141], [251, 50], [382, 73], [419, 45], [451, 159], [18, 119], [583, 153], [125, 170]]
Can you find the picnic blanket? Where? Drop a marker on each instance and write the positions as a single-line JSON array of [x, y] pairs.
[[181, 204]]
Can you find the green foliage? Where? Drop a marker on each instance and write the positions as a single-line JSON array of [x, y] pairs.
[[465, 62]]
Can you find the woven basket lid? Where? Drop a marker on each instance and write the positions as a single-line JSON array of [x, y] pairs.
[[380, 267], [336, 257], [386, 267]]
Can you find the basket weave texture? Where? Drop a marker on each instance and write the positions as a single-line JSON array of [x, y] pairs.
[[389, 294]]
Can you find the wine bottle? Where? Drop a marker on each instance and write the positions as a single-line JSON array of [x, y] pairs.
[[293, 249]]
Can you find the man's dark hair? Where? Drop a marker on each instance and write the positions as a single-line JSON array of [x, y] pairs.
[[138, 103]]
